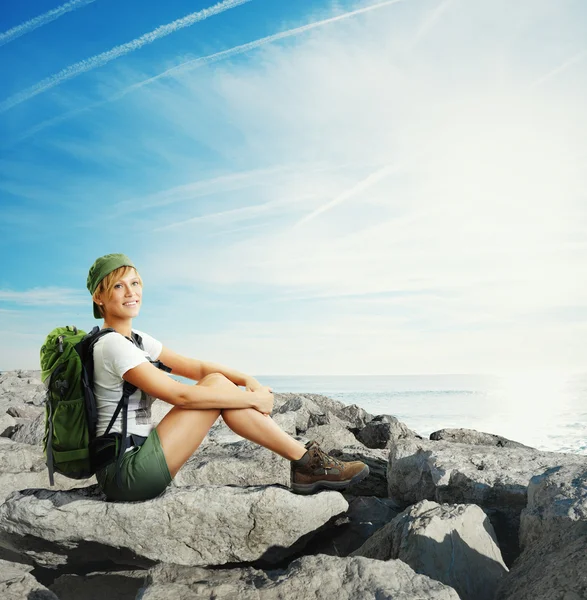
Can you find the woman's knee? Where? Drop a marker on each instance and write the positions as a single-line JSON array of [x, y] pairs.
[[215, 379]]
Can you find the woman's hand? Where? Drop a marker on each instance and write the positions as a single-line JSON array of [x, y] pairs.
[[252, 385], [264, 399]]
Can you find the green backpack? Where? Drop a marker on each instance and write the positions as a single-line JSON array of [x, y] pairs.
[[71, 415]]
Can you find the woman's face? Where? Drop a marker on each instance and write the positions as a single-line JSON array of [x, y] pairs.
[[125, 299]]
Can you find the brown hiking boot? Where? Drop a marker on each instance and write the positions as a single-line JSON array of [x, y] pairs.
[[316, 470]]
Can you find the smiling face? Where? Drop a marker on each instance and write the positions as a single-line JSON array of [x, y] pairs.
[[119, 294]]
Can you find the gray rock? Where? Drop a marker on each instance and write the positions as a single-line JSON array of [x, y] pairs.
[[333, 436], [557, 502], [365, 516], [376, 482], [191, 526], [383, 431], [474, 438], [553, 535], [308, 577], [7, 425], [21, 387], [30, 432], [307, 413], [239, 463], [116, 585], [25, 411], [17, 583], [451, 543], [22, 466], [494, 478]]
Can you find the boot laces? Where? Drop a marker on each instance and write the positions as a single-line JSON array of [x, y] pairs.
[[325, 458]]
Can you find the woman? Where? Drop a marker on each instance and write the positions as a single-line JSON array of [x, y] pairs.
[[148, 468]]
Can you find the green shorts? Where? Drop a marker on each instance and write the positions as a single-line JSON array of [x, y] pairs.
[[144, 473]]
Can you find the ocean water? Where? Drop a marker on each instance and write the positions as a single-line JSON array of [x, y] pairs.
[[543, 410]]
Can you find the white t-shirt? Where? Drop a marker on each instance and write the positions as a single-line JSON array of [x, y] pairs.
[[114, 355]]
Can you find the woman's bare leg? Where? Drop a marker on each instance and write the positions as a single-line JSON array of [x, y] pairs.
[[261, 429], [182, 430]]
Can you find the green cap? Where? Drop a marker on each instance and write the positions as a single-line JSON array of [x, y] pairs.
[[102, 267]]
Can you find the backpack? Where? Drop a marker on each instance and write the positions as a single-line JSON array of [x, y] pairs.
[[71, 416]]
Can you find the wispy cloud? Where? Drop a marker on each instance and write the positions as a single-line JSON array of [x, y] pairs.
[[105, 57], [430, 21], [194, 64], [358, 188], [48, 296], [32, 24], [562, 67]]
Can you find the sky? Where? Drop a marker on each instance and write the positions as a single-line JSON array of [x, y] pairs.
[[307, 188]]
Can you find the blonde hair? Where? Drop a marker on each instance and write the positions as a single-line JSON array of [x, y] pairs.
[[107, 284]]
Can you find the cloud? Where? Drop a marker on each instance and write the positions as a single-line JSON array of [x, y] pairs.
[[47, 297], [187, 66], [32, 24], [105, 57], [567, 64]]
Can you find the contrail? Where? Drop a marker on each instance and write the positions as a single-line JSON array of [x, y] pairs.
[[563, 67], [41, 20], [105, 57], [358, 187], [202, 61]]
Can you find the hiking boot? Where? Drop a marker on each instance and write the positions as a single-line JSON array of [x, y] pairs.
[[316, 470]]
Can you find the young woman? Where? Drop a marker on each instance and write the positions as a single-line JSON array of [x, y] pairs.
[[156, 454]]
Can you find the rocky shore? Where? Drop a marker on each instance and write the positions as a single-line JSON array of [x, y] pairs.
[[464, 514]]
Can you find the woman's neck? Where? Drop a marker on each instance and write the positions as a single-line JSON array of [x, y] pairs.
[[122, 326]]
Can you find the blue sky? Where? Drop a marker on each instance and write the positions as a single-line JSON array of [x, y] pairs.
[[306, 187]]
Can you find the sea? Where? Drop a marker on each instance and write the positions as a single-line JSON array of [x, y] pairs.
[[547, 411]]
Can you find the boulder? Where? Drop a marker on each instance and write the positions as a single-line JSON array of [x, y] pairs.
[[191, 526], [23, 466], [21, 387], [553, 535], [17, 583], [474, 438], [30, 432], [495, 478], [308, 577], [239, 463], [116, 585], [366, 515], [451, 543], [7, 425], [375, 484], [25, 411], [383, 431]]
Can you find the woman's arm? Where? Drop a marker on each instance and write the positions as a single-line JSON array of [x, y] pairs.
[[195, 369], [156, 383]]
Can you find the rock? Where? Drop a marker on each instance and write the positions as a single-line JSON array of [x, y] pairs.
[[191, 526], [21, 387], [382, 431], [333, 436], [307, 413], [7, 425], [553, 535], [557, 502], [25, 411], [23, 466], [366, 515], [474, 438], [30, 432], [451, 543], [375, 484], [17, 583], [492, 477], [239, 463], [116, 585], [308, 577]]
